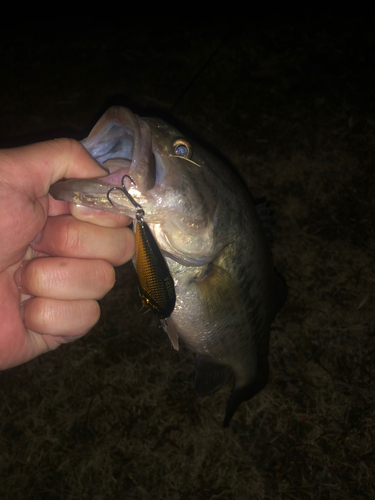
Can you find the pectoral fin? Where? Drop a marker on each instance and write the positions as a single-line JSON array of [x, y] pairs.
[[170, 328]]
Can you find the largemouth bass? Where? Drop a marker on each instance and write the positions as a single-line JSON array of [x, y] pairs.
[[209, 235]]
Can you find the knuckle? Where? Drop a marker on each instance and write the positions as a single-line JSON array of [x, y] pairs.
[[104, 276], [67, 144], [69, 240], [34, 276]]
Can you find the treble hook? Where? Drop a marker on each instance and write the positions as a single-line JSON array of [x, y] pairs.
[[140, 212]]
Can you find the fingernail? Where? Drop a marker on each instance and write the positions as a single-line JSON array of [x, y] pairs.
[[18, 280], [36, 239], [22, 312], [17, 277]]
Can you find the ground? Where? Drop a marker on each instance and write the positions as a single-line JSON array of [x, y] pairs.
[[114, 415]]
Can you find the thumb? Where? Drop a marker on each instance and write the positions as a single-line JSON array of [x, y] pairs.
[[26, 174], [32, 169]]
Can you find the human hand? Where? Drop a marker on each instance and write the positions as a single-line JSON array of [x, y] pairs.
[[53, 266]]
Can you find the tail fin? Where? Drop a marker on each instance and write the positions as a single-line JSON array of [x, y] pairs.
[[240, 394]]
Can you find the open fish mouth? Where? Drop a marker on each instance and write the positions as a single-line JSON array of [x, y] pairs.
[[121, 143], [116, 140], [121, 140]]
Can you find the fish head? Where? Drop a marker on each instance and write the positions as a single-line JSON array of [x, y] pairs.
[[174, 181]]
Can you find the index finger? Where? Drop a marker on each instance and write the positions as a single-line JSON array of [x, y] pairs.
[[86, 214]]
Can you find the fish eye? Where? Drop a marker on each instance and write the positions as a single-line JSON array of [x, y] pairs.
[[182, 148]]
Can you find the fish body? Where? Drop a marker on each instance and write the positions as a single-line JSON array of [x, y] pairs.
[[210, 235]]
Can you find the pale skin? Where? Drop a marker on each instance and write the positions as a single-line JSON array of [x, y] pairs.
[[56, 260]]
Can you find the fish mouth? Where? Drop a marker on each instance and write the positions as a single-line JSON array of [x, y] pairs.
[[121, 142]]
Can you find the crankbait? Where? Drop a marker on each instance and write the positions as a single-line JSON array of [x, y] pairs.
[[155, 281]]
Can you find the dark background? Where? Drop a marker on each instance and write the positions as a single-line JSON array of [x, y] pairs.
[[290, 103]]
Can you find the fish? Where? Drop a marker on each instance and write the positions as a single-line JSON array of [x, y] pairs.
[[207, 230]]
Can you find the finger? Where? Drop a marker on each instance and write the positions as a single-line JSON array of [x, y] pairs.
[[66, 236], [68, 318], [80, 212], [99, 217], [34, 168], [20, 221], [65, 278]]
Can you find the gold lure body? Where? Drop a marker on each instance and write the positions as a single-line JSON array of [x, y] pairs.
[[155, 281]]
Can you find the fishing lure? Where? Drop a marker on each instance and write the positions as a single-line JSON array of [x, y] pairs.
[[155, 281]]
